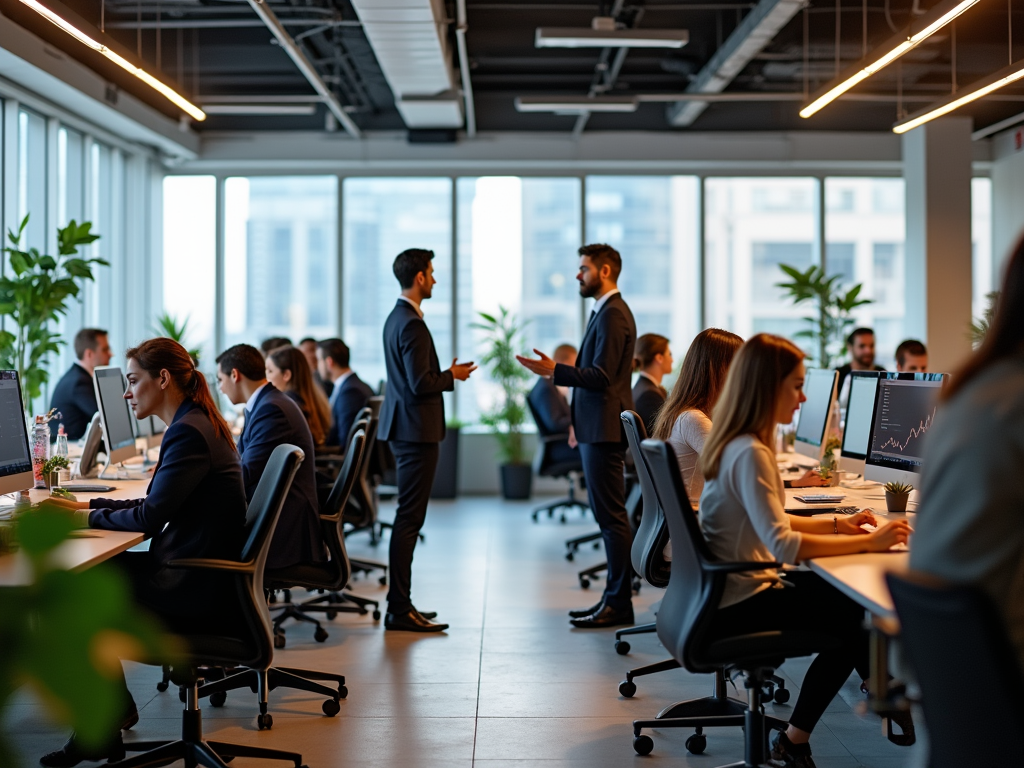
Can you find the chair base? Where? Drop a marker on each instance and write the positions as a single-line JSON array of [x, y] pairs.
[[368, 566], [566, 502], [572, 546], [261, 682], [627, 687], [329, 603]]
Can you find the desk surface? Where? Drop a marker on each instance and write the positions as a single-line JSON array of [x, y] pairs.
[[85, 549]]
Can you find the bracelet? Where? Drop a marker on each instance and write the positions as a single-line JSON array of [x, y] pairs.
[[835, 525]]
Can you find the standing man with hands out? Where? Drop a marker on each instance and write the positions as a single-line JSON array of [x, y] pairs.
[[601, 383], [412, 422]]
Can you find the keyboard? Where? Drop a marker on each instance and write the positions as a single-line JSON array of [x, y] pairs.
[[819, 510], [87, 488]]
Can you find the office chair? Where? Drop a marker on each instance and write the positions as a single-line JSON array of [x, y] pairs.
[[249, 641], [546, 465], [940, 622], [694, 591]]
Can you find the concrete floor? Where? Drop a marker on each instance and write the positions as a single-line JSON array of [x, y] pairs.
[[510, 684]]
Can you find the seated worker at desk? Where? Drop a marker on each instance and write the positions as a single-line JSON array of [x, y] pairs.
[[288, 371], [349, 393], [195, 507], [272, 419], [742, 514], [652, 358], [74, 396], [551, 405]]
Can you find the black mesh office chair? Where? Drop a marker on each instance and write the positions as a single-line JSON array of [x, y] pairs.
[[546, 464], [956, 641], [694, 591], [249, 642]]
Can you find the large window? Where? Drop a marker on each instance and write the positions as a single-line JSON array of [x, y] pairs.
[[280, 257], [32, 175]]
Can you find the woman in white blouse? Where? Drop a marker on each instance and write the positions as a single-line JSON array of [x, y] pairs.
[[742, 515]]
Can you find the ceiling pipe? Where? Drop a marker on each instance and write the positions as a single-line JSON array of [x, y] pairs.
[[305, 67], [225, 23], [467, 86]]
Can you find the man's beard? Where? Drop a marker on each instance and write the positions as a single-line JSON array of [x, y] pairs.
[[588, 291]]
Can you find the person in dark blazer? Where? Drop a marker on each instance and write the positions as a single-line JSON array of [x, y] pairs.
[[412, 423], [551, 407], [272, 419], [601, 392], [349, 393], [74, 396], [308, 347], [653, 359], [195, 507]]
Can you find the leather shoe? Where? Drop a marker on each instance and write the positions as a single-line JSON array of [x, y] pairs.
[[72, 753], [606, 617], [429, 615], [411, 621], [580, 613]]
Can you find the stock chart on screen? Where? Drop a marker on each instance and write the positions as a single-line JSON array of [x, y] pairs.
[[903, 415]]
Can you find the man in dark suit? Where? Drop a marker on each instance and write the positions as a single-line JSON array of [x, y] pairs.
[[601, 392], [74, 395], [550, 405], [349, 393], [308, 347], [272, 419], [412, 422]]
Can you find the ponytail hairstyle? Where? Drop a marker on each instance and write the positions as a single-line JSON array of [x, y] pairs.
[[747, 404], [315, 406], [161, 354], [648, 347]]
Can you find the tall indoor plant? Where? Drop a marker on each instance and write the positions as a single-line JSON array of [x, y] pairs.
[[34, 292], [835, 306], [504, 339], [168, 327]]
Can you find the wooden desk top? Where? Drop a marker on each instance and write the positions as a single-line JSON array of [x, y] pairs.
[[862, 577]]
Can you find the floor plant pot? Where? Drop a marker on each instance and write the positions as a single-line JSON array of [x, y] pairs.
[[516, 481], [896, 502], [446, 476]]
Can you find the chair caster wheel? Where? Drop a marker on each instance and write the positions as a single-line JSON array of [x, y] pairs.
[[696, 744], [217, 699], [264, 722], [376, 615], [621, 647], [279, 640], [330, 707], [342, 692], [585, 583], [628, 689], [781, 696], [570, 556], [383, 580], [320, 635], [162, 686], [332, 615], [643, 744]]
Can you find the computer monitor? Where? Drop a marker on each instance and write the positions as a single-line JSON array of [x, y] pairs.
[[115, 415], [860, 412], [905, 406], [91, 447], [812, 426], [15, 456], [151, 429]]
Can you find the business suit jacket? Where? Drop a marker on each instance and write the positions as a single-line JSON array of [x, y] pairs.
[[347, 400], [550, 406], [602, 374], [195, 505], [648, 398], [413, 408], [75, 398], [273, 420]]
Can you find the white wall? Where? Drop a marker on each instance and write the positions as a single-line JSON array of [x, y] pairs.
[[1007, 194]]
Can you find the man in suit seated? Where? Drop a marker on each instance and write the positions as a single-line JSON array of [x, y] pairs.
[[272, 419], [308, 347], [74, 395], [551, 405], [350, 393]]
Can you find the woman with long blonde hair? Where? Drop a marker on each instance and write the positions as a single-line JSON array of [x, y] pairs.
[[288, 371], [743, 517]]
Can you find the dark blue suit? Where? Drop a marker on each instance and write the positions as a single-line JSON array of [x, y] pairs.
[[412, 421], [275, 419], [346, 401], [75, 398], [553, 415]]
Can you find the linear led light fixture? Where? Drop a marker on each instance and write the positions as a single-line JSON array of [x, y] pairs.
[[173, 96], [576, 105], [896, 46], [978, 90], [604, 34], [260, 109]]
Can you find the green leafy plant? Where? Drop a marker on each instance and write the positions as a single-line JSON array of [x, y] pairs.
[[898, 488], [504, 339], [55, 464], [828, 460], [834, 308], [64, 633], [167, 326], [980, 325], [34, 293]]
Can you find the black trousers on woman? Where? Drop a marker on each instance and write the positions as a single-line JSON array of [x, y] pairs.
[[810, 605]]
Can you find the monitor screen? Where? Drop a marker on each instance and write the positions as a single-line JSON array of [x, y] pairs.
[[819, 388], [905, 405], [859, 413], [15, 456], [118, 427]]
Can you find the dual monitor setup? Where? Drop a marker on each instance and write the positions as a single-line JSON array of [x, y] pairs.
[[887, 417]]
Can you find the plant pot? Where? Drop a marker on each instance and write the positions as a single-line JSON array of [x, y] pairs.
[[446, 476], [516, 481], [896, 502]]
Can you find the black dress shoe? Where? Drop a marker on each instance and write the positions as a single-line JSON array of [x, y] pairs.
[[580, 613], [73, 753], [606, 617], [411, 621], [429, 615]]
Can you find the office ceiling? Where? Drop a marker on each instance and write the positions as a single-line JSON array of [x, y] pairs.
[[219, 52]]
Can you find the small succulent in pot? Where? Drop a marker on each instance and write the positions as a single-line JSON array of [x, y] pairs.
[[53, 465], [896, 496]]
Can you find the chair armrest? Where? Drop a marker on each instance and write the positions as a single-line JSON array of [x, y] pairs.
[[739, 567], [209, 564]]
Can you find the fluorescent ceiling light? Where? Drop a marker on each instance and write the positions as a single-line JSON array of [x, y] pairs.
[[260, 109], [173, 96], [604, 34], [907, 40], [982, 88], [576, 104]]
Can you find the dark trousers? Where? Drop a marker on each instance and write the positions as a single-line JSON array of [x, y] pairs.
[[415, 466], [602, 467], [812, 605]]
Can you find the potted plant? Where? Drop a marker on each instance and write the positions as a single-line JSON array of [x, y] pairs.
[[168, 327], [446, 476], [52, 468], [829, 468], [979, 326], [504, 339], [896, 496], [834, 308]]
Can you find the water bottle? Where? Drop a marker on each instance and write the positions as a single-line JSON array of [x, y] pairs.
[[40, 450], [61, 446]]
